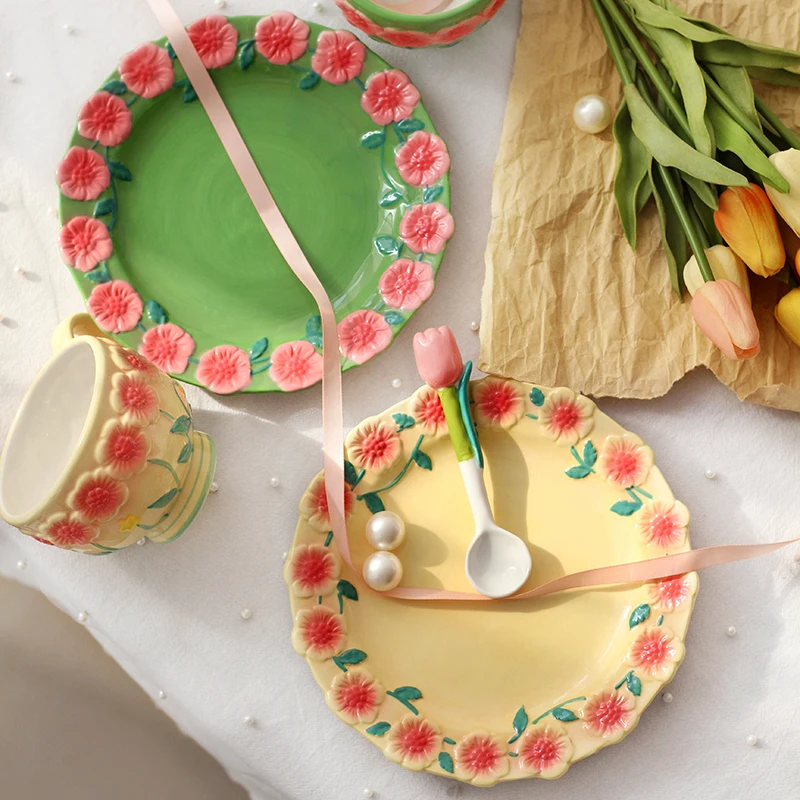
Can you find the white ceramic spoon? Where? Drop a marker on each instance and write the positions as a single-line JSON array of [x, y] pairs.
[[498, 563]]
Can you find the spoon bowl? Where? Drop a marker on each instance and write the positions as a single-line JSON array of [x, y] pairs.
[[498, 563]]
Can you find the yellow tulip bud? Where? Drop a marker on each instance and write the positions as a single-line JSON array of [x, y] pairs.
[[747, 222], [787, 205], [725, 265], [787, 312]]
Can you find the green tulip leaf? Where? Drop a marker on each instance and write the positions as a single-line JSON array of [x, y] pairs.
[[777, 77], [735, 82]]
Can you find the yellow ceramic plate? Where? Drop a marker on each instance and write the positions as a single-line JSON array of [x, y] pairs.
[[500, 690]]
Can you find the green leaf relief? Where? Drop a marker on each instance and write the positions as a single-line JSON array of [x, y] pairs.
[[115, 87], [446, 762], [634, 684], [314, 330], [349, 657], [156, 312], [589, 453], [390, 199], [373, 139], [405, 694], [448, 740], [393, 318], [189, 94], [520, 723], [387, 245], [258, 348], [660, 620], [309, 80], [625, 508], [119, 171], [379, 729], [104, 207], [537, 396], [639, 615], [373, 502], [422, 460], [328, 538], [432, 193], [181, 424], [186, 453], [410, 125], [350, 474], [247, 56], [403, 421], [171, 51], [578, 472], [165, 499], [345, 589], [98, 275], [564, 715]]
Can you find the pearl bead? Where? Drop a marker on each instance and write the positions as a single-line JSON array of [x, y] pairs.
[[710, 474], [82, 616], [245, 613], [369, 793], [592, 114], [19, 270], [162, 695], [251, 721], [275, 482], [285, 555], [730, 631], [474, 325], [382, 571], [220, 3], [142, 542], [22, 564], [316, 6], [214, 488], [397, 383], [752, 740], [53, 212], [667, 697], [11, 77], [386, 531], [68, 28]]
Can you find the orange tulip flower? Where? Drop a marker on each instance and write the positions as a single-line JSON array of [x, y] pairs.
[[722, 312], [747, 222]]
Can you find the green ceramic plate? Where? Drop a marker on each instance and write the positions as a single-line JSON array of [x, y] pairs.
[[166, 247]]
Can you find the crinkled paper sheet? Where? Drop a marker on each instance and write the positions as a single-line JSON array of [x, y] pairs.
[[566, 301]]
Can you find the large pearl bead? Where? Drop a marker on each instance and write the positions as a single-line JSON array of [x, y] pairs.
[[382, 571], [592, 113], [386, 531]]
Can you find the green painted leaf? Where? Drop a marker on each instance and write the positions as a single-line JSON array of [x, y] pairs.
[[346, 589], [423, 460], [564, 715], [660, 620], [448, 740], [390, 199], [156, 312], [378, 729], [186, 453], [403, 421], [577, 472], [314, 330], [520, 723], [350, 474], [98, 275], [393, 318], [115, 87], [634, 684], [446, 762], [537, 396], [639, 615], [410, 125], [259, 348], [387, 245], [373, 139], [104, 206], [373, 502], [625, 508], [309, 80], [171, 51], [165, 499], [189, 94], [349, 657], [119, 171], [432, 193], [405, 694], [589, 453], [181, 424], [247, 56]]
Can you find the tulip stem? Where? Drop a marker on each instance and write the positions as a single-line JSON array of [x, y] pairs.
[[702, 234], [613, 43], [788, 135]]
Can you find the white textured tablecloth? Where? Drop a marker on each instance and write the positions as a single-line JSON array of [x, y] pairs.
[[170, 614]]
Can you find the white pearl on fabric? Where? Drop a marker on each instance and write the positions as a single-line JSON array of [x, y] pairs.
[[220, 3], [19, 270], [68, 28], [142, 542], [730, 631], [53, 212], [285, 555], [10, 77], [385, 530], [82, 617], [474, 325], [382, 571], [710, 474], [667, 698], [214, 488], [397, 383], [592, 113], [752, 740], [251, 721], [316, 6], [275, 482], [245, 613], [162, 695], [22, 564], [369, 793]]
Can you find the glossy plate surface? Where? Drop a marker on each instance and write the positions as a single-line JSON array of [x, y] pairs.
[[186, 236], [508, 689]]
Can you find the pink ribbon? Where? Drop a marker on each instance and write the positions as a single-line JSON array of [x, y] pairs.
[[332, 419]]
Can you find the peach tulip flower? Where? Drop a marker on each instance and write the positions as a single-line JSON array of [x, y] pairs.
[[722, 313], [725, 265]]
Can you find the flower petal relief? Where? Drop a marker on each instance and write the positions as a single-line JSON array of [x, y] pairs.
[[362, 335], [105, 118], [314, 505], [668, 594], [413, 742], [566, 416], [68, 530], [663, 523], [312, 570], [427, 410], [281, 37], [295, 365], [355, 696], [608, 714], [85, 242], [224, 369], [122, 449], [215, 39], [389, 97], [545, 750], [168, 347], [82, 174], [339, 57], [116, 306], [97, 497], [625, 460], [406, 284], [481, 758], [656, 652], [130, 361], [423, 159], [498, 403], [374, 446], [426, 228], [319, 633], [134, 398], [147, 70]]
